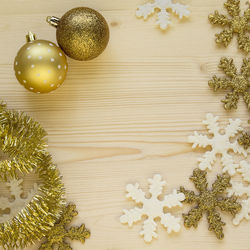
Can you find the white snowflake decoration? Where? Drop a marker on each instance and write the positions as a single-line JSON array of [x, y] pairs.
[[18, 203], [241, 190], [220, 143], [163, 19], [152, 208]]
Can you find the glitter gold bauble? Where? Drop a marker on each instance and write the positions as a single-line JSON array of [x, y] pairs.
[[40, 66], [82, 33]]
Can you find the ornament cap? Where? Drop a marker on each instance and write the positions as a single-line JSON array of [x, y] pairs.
[[30, 37], [53, 21]]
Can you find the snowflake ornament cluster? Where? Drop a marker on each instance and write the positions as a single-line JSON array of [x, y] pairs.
[[220, 144], [208, 201], [153, 208], [241, 190], [14, 206], [163, 19], [234, 24]]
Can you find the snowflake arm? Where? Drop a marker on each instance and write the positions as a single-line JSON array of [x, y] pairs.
[[211, 123], [244, 42], [244, 170], [218, 83], [131, 216], [180, 10], [215, 223], [199, 140], [153, 208], [233, 7], [228, 164], [207, 160], [244, 213], [156, 186], [135, 193], [239, 189], [221, 183], [149, 230], [245, 68], [230, 205], [224, 37], [145, 10], [193, 217], [171, 223], [163, 16], [163, 19], [231, 101], [228, 67], [199, 178], [218, 19], [233, 128], [174, 199], [190, 196]]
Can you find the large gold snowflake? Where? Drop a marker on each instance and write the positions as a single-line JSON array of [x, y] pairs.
[[208, 200], [237, 82], [235, 24]]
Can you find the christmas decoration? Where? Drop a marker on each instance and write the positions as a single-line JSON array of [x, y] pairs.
[[15, 206], [57, 236], [221, 143], [40, 66], [22, 140], [237, 83], [235, 24], [153, 208], [208, 201], [239, 189], [163, 19], [82, 33], [244, 140]]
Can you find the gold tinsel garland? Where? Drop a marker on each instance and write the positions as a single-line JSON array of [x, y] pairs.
[[23, 141]]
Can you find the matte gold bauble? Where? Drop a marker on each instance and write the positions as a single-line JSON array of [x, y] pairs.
[[82, 33], [40, 66]]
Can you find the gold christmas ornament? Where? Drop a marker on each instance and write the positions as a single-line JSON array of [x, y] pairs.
[[40, 66], [82, 33]]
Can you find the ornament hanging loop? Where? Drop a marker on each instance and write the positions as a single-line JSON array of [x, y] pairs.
[[53, 21], [30, 37]]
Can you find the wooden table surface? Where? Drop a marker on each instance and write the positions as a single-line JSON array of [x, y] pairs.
[[126, 115]]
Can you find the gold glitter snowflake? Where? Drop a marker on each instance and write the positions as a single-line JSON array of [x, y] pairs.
[[60, 232], [236, 24], [208, 200], [237, 82]]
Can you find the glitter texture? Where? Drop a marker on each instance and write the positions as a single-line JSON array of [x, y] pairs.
[[208, 201]]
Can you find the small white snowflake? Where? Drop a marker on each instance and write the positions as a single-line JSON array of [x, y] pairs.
[[220, 143], [153, 208], [163, 19], [14, 206]]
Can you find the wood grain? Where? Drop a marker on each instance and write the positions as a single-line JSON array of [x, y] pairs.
[[125, 115]]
